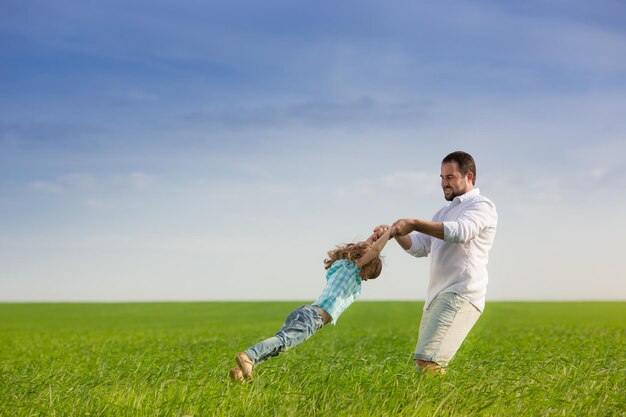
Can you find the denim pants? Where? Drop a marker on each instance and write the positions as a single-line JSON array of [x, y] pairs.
[[299, 326]]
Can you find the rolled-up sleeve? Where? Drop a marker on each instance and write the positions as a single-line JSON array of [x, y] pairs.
[[420, 244], [470, 223]]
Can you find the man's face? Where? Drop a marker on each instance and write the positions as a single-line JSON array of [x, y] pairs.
[[453, 182]]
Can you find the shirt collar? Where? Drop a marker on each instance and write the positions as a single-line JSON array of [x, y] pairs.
[[461, 198]]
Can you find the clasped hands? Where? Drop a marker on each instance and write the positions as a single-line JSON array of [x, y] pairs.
[[399, 228]]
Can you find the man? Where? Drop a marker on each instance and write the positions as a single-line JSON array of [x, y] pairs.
[[458, 240]]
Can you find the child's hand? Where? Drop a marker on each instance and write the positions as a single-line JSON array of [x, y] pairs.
[[387, 234], [379, 230]]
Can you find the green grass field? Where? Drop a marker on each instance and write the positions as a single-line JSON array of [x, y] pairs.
[[172, 359]]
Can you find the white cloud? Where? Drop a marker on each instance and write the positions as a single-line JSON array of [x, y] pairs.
[[96, 203], [140, 180], [411, 182], [565, 43], [50, 187], [83, 183], [424, 182], [78, 181]]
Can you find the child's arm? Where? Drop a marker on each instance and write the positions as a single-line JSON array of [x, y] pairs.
[[375, 250], [371, 239]]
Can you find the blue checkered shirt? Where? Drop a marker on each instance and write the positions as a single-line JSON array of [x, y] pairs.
[[343, 287]]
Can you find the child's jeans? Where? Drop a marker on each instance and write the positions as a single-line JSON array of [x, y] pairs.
[[299, 326]]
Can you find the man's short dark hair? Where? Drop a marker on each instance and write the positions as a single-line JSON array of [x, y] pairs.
[[465, 161]]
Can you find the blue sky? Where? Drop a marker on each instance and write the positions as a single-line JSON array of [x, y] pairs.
[[209, 151]]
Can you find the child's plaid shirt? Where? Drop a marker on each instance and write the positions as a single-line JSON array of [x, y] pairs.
[[343, 287]]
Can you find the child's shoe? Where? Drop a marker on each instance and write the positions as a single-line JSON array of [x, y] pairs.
[[245, 364]]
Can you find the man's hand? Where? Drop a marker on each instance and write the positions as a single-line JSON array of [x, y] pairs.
[[401, 227]]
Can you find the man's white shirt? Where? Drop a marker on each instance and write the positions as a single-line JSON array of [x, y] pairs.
[[459, 261]]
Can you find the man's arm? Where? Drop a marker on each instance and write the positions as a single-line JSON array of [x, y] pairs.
[[404, 241], [471, 222], [401, 228]]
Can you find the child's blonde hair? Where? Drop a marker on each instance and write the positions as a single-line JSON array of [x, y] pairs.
[[352, 252]]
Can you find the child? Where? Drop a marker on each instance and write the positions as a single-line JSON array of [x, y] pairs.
[[347, 266]]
